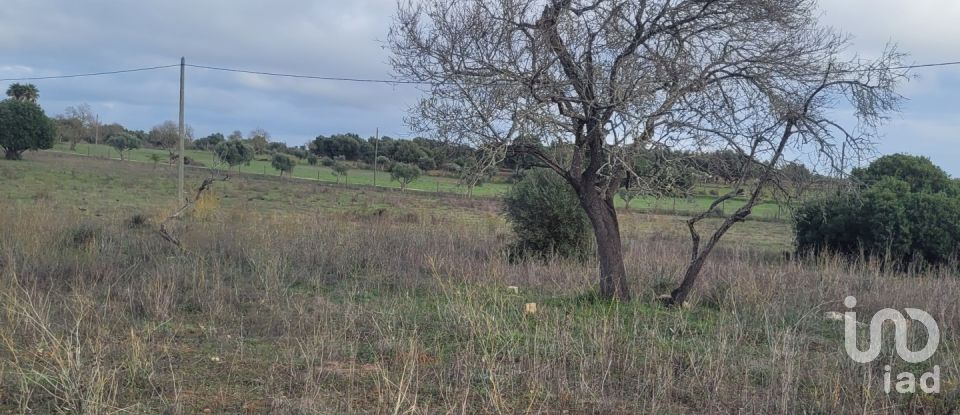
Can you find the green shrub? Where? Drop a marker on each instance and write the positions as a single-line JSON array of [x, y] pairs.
[[546, 217], [234, 153], [898, 217], [312, 160], [326, 162], [426, 164], [24, 127], [452, 167], [919, 172]]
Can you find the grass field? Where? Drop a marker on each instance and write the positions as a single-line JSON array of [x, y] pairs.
[[681, 206], [302, 170], [299, 297]]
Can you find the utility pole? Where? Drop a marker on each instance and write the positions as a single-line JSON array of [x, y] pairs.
[[96, 134], [180, 199], [376, 144]]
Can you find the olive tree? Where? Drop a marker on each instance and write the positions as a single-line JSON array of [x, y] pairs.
[[123, 142], [604, 78], [283, 163], [404, 173], [234, 153], [24, 126], [340, 169]]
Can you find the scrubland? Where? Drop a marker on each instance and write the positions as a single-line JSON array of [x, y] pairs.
[[296, 297]]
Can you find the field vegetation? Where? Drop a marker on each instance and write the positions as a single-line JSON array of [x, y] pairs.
[[304, 297], [700, 198]]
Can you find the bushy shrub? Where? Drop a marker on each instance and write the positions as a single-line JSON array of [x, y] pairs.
[[234, 153], [898, 217], [83, 236], [138, 220], [407, 152], [451, 167], [326, 162], [919, 172], [546, 217], [426, 163], [24, 127], [312, 160]]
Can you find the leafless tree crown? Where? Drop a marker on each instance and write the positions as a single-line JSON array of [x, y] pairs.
[[608, 77]]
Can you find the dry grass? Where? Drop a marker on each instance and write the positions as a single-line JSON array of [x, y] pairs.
[[403, 311]]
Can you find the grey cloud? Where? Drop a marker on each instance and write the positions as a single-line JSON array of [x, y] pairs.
[[344, 38]]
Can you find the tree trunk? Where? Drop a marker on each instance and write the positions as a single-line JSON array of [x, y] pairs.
[[12, 155], [606, 229], [679, 295]]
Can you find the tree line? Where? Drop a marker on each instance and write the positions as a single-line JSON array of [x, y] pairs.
[[656, 171]]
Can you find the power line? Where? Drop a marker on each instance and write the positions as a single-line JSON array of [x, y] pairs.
[[38, 78], [347, 79], [384, 81], [926, 65], [318, 77]]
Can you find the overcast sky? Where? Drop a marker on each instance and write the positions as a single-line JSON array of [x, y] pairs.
[[345, 39]]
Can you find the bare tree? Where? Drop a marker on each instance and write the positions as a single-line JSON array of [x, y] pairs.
[[166, 135], [259, 139], [76, 124], [604, 77]]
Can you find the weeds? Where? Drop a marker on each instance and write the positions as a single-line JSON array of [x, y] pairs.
[[407, 312]]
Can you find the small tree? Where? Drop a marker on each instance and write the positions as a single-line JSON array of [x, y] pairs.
[[628, 194], [340, 169], [167, 135], [234, 153], [602, 78], [77, 123], [155, 158], [24, 126], [123, 142], [283, 163], [545, 217], [404, 173], [313, 160], [383, 163], [259, 139]]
